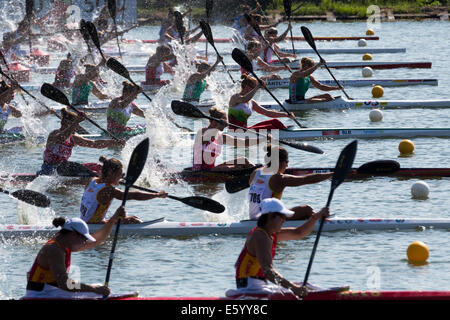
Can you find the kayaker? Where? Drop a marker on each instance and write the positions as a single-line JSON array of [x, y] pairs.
[[60, 142], [196, 83], [251, 34], [6, 110], [240, 22], [120, 109], [64, 73], [270, 181], [208, 145], [254, 51], [49, 275], [267, 54], [255, 272], [242, 105], [101, 191], [301, 80], [156, 66], [84, 85]]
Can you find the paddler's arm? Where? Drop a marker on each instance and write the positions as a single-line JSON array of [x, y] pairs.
[[297, 75], [238, 142], [237, 98], [283, 54], [270, 113], [194, 38], [283, 36], [270, 68], [56, 260], [303, 230], [97, 144], [59, 135], [102, 234], [286, 180], [138, 195], [96, 92], [16, 113], [321, 86]]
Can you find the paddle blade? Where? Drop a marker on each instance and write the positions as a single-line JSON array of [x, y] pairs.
[[179, 25], [253, 24], [112, 8], [308, 37], [236, 185], [379, 167], [209, 7], [303, 146], [84, 30], [137, 162], [206, 29], [32, 197], [74, 169], [343, 166], [118, 68], [186, 109], [242, 60], [29, 7], [93, 33], [53, 93], [203, 203], [287, 7]]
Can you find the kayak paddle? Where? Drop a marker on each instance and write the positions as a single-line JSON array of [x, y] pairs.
[[287, 11], [74, 169], [189, 110], [85, 34], [31, 197], [373, 168], [242, 59], [135, 167], [208, 35], [255, 27], [57, 95], [343, 166], [112, 13], [198, 202], [309, 38], [209, 6], [94, 36], [179, 25]]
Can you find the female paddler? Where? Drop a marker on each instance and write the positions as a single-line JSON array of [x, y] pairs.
[[100, 192], [49, 275], [242, 105], [271, 180], [6, 96], [84, 85], [120, 109], [255, 272], [196, 83], [157, 65], [209, 141], [60, 142], [301, 80]]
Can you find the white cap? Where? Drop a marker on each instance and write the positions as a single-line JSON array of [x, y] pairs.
[[275, 205], [78, 225]]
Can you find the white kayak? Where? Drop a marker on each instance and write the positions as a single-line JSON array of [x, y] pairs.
[[343, 103], [344, 50], [162, 227], [284, 83], [293, 65]]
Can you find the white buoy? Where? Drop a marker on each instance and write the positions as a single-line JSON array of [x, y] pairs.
[[420, 190], [376, 115], [367, 72], [362, 43]]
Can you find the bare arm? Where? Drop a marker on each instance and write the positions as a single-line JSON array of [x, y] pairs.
[[321, 86], [297, 75], [279, 182], [97, 144], [305, 229], [270, 113]]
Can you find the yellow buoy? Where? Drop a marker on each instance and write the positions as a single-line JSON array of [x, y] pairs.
[[417, 252], [367, 57], [406, 147], [377, 91], [370, 32]]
